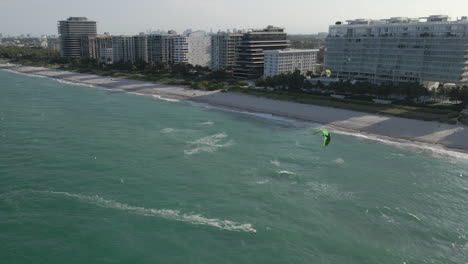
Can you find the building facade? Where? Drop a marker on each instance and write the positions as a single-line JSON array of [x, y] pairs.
[[429, 51], [290, 60], [199, 48], [91, 45], [141, 47], [123, 48], [180, 49], [70, 33], [250, 58], [160, 48], [224, 51], [106, 55]]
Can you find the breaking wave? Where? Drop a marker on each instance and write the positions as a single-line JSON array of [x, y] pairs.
[[207, 123], [167, 130], [208, 144], [176, 215]]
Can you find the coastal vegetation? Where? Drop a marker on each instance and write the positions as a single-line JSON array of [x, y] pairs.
[[408, 100], [196, 77]]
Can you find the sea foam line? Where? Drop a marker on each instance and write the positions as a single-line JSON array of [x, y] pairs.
[[176, 215], [388, 140]]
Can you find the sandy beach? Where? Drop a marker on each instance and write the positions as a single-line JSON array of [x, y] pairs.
[[394, 128]]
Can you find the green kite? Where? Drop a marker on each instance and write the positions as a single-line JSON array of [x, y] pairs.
[[326, 136]]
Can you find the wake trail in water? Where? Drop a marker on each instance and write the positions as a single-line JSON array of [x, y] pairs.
[[175, 215]]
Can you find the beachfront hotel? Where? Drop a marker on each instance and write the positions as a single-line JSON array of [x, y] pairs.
[[290, 60], [429, 50], [70, 33]]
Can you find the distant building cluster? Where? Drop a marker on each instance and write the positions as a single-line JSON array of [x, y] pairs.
[[240, 53], [428, 50], [47, 42], [79, 38]]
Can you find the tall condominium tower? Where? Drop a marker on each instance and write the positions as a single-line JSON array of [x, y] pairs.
[[425, 50], [71, 31], [130, 48], [180, 49], [123, 48], [160, 48], [141, 47], [224, 50], [250, 58]]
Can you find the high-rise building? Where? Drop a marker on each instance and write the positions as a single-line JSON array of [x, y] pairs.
[[91, 45], [180, 49], [71, 31], [224, 50], [160, 48], [399, 49], [290, 60], [106, 55], [199, 43], [250, 58], [141, 47], [123, 49]]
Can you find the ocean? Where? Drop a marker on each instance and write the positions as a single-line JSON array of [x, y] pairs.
[[90, 175]]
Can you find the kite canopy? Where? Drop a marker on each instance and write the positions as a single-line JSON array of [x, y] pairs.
[[326, 136]]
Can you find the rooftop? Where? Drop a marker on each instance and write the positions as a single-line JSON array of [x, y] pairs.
[[290, 51], [402, 20]]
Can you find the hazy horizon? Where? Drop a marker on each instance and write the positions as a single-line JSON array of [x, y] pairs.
[[297, 17]]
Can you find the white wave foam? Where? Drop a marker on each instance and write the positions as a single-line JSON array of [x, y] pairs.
[[339, 161], [263, 181], [74, 83], [439, 151], [317, 189], [275, 162], [208, 144], [176, 215], [163, 98], [207, 123], [286, 172], [436, 149], [414, 216], [167, 130]]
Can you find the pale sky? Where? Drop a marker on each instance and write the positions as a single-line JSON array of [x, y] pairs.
[[130, 17]]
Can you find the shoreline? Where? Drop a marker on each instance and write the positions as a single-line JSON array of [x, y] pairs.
[[376, 127]]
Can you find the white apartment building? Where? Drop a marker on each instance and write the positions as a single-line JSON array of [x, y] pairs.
[[289, 60], [106, 55], [180, 49], [199, 48], [428, 50]]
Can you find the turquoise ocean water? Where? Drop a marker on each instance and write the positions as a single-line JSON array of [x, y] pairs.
[[89, 175]]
